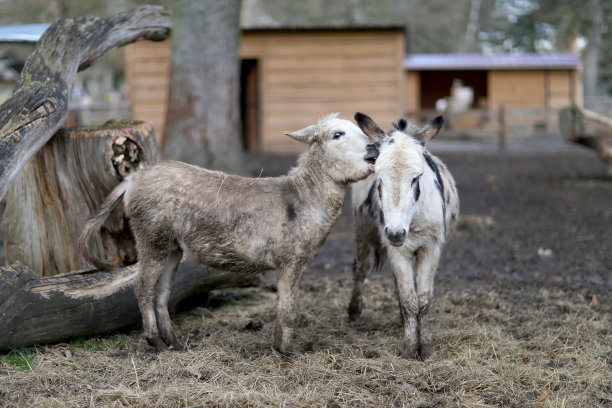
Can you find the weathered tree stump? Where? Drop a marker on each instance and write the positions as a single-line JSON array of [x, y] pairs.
[[40, 310], [64, 183], [589, 129]]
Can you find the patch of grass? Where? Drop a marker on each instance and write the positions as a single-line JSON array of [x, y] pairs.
[[86, 343], [23, 358], [121, 340], [243, 298]]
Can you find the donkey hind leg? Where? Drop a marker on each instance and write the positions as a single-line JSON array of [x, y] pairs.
[[288, 278], [150, 273], [426, 265], [408, 302], [162, 294], [361, 265]]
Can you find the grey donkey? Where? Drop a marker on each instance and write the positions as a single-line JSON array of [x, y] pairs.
[[229, 222], [404, 212]]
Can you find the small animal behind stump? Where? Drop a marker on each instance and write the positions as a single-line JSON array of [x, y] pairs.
[[404, 212], [245, 225]]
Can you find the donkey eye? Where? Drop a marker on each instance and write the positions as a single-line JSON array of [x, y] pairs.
[[338, 134], [380, 190]]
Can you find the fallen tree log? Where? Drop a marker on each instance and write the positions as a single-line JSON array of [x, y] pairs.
[[589, 129], [49, 201], [39, 105], [41, 310]]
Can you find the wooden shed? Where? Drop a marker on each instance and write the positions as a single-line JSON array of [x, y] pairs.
[[290, 77], [527, 81]]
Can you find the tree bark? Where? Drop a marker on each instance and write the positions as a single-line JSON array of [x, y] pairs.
[[589, 129], [35, 310], [50, 200], [203, 122], [591, 66], [39, 105]]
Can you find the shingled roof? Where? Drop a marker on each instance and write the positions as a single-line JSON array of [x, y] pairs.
[[322, 14], [441, 62]]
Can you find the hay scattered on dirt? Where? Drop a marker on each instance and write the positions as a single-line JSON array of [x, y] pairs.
[[488, 351]]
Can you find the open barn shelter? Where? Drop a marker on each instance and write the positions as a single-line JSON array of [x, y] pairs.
[[290, 77], [514, 81]]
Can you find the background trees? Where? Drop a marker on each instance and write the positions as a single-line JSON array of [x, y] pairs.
[[204, 89]]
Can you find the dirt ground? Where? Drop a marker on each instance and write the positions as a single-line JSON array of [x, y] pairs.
[[522, 310]]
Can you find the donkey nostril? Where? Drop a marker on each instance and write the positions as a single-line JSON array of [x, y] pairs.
[[395, 237]]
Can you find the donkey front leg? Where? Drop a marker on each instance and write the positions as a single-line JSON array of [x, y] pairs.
[[426, 266], [162, 289], [288, 278], [360, 270], [408, 302]]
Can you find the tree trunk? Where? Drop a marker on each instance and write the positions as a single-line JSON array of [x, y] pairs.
[[589, 129], [591, 66], [469, 41], [39, 105], [65, 182], [36, 310], [203, 123]]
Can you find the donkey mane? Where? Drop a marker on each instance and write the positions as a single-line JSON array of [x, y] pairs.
[[401, 125], [408, 128]]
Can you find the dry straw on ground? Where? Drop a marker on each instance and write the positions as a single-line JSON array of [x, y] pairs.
[[489, 351]]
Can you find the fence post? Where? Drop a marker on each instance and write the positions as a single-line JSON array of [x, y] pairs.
[[502, 129]]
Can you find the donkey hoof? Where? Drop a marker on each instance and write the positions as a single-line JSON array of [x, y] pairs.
[[410, 351], [425, 350], [354, 315], [176, 346], [173, 342], [288, 351], [354, 312], [157, 343]]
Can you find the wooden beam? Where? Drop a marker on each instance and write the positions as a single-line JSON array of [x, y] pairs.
[[589, 129]]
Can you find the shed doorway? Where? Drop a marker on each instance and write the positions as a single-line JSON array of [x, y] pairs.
[[437, 84], [249, 104]]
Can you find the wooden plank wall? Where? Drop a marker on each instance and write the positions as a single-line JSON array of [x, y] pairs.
[[147, 71], [304, 75], [528, 88], [413, 91]]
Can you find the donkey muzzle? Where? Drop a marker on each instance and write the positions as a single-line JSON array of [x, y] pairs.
[[371, 155], [396, 237]]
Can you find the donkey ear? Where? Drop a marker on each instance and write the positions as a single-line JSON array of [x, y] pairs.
[[431, 129], [369, 127], [306, 135]]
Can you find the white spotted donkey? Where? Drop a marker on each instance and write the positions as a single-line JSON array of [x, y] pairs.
[[404, 212]]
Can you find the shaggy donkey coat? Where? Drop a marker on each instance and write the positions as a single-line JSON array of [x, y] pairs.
[[246, 225], [405, 211]]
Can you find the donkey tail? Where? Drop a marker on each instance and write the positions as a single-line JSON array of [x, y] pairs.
[[87, 239]]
